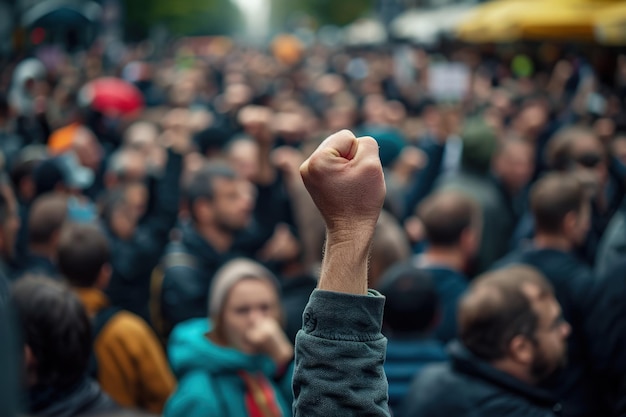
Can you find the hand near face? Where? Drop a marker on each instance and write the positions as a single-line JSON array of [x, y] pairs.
[[267, 337]]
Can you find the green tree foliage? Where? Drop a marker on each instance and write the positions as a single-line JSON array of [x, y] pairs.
[[336, 12], [218, 17], [181, 17]]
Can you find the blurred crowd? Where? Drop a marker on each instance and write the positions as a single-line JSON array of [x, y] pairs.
[[158, 246]]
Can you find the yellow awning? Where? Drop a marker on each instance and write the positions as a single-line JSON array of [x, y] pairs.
[[508, 20], [610, 25], [492, 22]]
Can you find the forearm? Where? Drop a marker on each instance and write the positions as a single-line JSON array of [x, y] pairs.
[[345, 263], [267, 173], [164, 212], [424, 180]]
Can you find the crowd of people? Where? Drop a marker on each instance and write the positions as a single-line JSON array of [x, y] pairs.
[[160, 261]]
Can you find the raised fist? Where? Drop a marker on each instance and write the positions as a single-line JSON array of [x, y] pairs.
[[345, 179], [257, 122]]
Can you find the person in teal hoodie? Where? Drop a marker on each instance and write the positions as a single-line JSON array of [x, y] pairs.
[[238, 363]]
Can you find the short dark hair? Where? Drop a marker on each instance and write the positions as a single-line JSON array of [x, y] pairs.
[[46, 217], [496, 309], [559, 150], [202, 183], [47, 175], [412, 303], [553, 197], [83, 251], [21, 170], [445, 215], [54, 324]]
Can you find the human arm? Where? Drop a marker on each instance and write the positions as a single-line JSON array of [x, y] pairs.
[[256, 121], [165, 197], [423, 180], [340, 351]]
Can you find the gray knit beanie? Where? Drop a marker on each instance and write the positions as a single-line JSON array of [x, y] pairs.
[[230, 274]]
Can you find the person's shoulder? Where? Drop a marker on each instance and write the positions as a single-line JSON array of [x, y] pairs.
[[438, 377], [516, 256], [511, 406], [190, 327], [436, 384], [126, 323], [431, 390], [559, 263], [193, 397], [443, 272]]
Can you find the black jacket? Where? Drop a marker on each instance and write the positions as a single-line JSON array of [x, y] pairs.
[[133, 260], [86, 398], [470, 387], [577, 292], [189, 264], [188, 268], [38, 265]]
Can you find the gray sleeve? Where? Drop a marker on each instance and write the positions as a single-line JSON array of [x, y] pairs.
[[339, 357]]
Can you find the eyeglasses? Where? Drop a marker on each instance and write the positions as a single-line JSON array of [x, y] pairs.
[[588, 160]]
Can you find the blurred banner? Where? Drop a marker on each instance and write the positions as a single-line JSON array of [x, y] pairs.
[[559, 20], [449, 81]]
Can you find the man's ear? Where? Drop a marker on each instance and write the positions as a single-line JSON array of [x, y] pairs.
[[104, 277], [569, 221], [30, 367], [469, 239], [521, 350], [202, 208]]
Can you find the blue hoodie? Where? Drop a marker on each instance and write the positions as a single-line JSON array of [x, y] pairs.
[[208, 383]]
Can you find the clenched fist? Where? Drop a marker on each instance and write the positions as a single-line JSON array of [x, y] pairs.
[[345, 179]]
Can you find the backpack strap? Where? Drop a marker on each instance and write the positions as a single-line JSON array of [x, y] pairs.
[[170, 260], [98, 322]]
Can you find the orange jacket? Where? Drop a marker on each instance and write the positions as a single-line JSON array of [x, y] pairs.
[[132, 367]]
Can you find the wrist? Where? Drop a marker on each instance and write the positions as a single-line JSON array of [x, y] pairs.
[[283, 355], [345, 264], [355, 231]]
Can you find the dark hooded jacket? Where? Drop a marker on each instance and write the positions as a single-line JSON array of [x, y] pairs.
[[470, 387]]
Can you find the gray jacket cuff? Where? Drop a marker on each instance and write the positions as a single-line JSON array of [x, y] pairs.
[[340, 316]]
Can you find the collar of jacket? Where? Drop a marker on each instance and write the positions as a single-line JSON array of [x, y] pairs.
[[465, 362], [93, 299], [197, 245], [69, 401]]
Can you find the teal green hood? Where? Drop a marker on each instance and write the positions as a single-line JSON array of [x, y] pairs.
[[208, 375], [190, 350]]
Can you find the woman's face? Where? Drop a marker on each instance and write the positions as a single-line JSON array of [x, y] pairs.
[[249, 301]]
